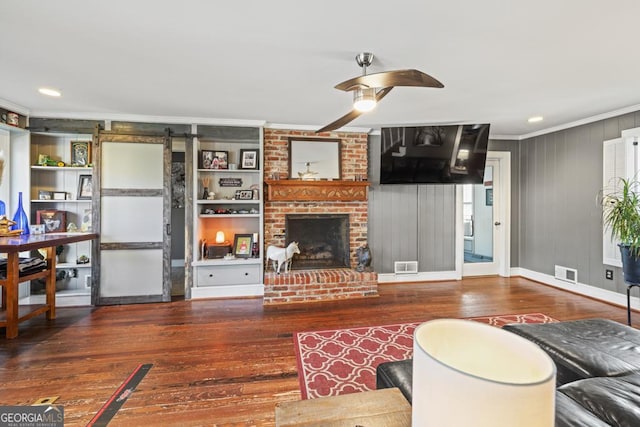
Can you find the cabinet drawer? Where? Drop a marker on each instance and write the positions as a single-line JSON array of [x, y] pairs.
[[228, 275]]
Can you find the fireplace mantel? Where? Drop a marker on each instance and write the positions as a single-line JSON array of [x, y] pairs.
[[296, 190]]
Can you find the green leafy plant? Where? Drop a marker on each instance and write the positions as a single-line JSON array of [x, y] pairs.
[[621, 214]]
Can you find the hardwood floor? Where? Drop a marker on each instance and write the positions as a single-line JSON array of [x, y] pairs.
[[228, 362]]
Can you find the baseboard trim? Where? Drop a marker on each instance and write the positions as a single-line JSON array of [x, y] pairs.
[[424, 276], [578, 288], [227, 291]]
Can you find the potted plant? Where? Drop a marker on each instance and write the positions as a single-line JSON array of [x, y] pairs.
[[621, 215]]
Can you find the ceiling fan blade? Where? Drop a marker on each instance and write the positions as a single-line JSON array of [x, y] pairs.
[[390, 78], [350, 116], [353, 114]]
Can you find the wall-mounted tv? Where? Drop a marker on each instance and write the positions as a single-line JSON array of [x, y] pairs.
[[449, 154]]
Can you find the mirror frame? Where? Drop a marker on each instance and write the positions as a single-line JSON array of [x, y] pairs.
[[328, 151]]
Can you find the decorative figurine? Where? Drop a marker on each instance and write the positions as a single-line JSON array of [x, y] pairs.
[[364, 258], [282, 256]]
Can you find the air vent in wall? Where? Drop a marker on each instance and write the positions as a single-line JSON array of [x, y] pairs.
[[566, 274], [405, 267]]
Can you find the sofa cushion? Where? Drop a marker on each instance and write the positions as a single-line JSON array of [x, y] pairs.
[[585, 348], [396, 374], [615, 400], [570, 414]]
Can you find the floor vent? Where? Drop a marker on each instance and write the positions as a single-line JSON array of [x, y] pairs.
[[405, 267], [566, 274]]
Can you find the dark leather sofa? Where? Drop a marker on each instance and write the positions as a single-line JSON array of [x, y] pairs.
[[598, 371]]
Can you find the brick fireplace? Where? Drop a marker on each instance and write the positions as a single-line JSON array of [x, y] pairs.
[[318, 283]]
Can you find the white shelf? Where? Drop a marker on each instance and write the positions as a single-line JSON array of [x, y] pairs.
[[63, 168], [62, 265], [229, 215], [13, 129], [222, 261], [227, 202], [226, 171], [60, 201]]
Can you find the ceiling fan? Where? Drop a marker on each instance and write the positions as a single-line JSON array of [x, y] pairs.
[[369, 89]]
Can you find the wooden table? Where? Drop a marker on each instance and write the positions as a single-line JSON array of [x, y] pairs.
[[378, 408], [11, 314]]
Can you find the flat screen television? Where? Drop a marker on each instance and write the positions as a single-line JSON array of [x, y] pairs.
[[447, 154]]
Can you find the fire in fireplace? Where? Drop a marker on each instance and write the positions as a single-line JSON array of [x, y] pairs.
[[323, 240]]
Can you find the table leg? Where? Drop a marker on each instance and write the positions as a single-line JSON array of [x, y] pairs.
[[51, 283], [12, 294], [629, 302]]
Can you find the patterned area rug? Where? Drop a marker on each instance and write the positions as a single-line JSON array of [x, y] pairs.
[[342, 361]]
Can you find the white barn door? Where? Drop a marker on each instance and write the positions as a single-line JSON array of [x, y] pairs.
[[134, 184]]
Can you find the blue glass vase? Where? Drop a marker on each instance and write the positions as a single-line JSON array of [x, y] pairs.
[[3, 209], [20, 218]]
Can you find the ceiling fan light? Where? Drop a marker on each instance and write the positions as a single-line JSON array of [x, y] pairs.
[[364, 99]]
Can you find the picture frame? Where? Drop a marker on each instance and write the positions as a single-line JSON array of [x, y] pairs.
[[249, 158], [80, 153], [59, 195], [206, 159], [54, 221], [85, 183], [315, 158], [44, 195], [220, 160], [488, 197], [242, 245], [244, 195]]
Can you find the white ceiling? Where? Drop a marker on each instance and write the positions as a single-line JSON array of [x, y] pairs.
[[501, 61]]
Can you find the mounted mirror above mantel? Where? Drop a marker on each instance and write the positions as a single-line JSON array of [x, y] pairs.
[[295, 190]]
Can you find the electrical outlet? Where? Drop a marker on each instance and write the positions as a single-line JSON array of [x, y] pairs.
[[608, 274]]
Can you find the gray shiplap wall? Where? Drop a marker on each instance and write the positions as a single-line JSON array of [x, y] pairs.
[[560, 219], [417, 222]]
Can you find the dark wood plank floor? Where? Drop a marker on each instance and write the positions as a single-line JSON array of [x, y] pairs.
[[228, 362]]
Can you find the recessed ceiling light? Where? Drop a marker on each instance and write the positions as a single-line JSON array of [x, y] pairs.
[[535, 119], [49, 92]]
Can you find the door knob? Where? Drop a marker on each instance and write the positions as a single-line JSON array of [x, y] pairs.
[[497, 223]]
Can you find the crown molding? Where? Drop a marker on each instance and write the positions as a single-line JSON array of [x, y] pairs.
[[11, 106], [587, 120], [148, 119]]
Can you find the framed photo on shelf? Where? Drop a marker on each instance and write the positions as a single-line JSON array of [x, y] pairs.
[[59, 195], [249, 159], [84, 187], [44, 195], [220, 160], [206, 159], [244, 194], [54, 221], [242, 244], [80, 153]]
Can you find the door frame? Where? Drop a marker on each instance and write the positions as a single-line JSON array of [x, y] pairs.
[[502, 214]]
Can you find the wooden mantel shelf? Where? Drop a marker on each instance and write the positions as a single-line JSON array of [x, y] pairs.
[[296, 190]]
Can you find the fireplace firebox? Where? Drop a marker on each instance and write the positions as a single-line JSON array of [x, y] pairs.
[[323, 240]]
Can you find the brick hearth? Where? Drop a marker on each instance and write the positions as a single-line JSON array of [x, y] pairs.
[[313, 285], [316, 285]]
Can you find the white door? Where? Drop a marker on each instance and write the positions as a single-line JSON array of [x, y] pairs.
[[134, 220], [483, 217]]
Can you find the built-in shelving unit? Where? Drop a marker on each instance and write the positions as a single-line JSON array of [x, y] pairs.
[[58, 201], [228, 192]]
